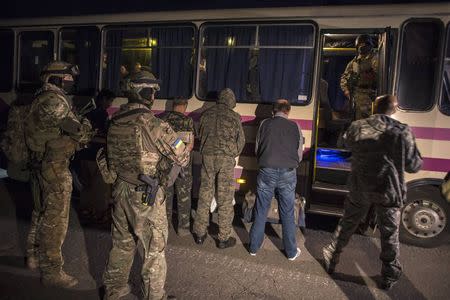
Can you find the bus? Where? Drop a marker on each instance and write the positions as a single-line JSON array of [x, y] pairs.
[[262, 54]]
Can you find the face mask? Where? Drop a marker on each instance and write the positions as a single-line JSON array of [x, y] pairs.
[[68, 86], [364, 49]]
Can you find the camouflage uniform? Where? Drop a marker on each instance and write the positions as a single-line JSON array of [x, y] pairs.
[[137, 142], [51, 149], [360, 80], [183, 184], [222, 139], [382, 150]]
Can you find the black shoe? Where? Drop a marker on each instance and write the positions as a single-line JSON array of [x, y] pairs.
[[329, 261], [199, 240], [226, 244], [387, 284]]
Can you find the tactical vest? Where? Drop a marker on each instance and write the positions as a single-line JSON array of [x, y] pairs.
[[127, 155], [366, 75], [37, 132]]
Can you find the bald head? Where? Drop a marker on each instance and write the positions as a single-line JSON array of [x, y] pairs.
[[282, 105], [385, 104]]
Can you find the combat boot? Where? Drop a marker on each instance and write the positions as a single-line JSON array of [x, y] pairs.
[[330, 258], [60, 279], [387, 283], [32, 262], [226, 244]]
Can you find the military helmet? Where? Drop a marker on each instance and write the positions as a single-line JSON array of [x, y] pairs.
[[58, 69], [141, 86], [364, 38]]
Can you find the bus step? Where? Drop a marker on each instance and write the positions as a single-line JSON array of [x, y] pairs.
[[328, 210], [329, 188]]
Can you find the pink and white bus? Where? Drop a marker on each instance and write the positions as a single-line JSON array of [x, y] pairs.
[[296, 53]]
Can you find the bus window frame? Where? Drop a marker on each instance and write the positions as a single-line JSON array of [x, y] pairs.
[[438, 71], [444, 56], [19, 32], [75, 27], [104, 30], [315, 48], [14, 57]]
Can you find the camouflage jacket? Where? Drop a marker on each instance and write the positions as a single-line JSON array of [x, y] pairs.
[[361, 72], [46, 130], [382, 150], [180, 123], [221, 131], [137, 141]]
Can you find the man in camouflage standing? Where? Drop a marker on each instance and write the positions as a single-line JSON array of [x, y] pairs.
[[222, 139], [359, 80], [382, 150], [52, 133], [184, 127], [137, 142]]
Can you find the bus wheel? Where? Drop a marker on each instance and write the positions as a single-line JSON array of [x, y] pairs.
[[424, 217]]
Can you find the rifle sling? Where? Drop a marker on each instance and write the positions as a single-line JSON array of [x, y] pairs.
[[130, 113]]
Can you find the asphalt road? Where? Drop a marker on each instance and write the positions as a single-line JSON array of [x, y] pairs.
[[205, 272]]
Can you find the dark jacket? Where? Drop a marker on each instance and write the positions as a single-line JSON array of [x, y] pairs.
[[383, 149]]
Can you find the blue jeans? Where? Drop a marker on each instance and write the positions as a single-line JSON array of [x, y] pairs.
[[284, 180]]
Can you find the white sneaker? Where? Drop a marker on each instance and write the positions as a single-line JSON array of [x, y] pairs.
[[296, 255], [252, 254]]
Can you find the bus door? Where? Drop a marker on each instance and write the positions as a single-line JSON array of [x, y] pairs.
[[334, 114]]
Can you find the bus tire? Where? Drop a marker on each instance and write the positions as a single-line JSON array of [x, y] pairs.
[[424, 217]]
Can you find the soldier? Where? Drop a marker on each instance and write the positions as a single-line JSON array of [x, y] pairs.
[[184, 127], [53, 133], [382, 150], [359, 80], [222, 139], [136, 143]]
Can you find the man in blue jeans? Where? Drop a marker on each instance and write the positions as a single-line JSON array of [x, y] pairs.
[[279, 147]]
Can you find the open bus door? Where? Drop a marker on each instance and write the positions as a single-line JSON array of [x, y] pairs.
[[331, 161]]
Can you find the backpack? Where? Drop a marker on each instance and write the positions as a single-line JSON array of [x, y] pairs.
[[13, 143]]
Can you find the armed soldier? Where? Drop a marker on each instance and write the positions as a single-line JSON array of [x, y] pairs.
[[53, 133], [222, 139], [184, 127], [137, 142], [360, 79], [382, 150]]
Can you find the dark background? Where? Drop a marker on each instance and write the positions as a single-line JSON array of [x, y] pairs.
[[43, 8]]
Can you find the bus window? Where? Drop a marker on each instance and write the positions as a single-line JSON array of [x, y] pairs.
[[168, 51], [260, 62], [6, 60], [419, 64], [444, 104], [36, 50], [81, 46]]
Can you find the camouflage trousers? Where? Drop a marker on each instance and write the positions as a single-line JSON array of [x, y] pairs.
[[388, 221], [218, 169], [134, 222], [183, 188], [363, 103], [52, 188]]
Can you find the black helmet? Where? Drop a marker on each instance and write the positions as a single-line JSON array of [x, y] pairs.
[[141, 86]]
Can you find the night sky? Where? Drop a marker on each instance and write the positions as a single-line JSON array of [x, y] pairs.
[[42, 8]]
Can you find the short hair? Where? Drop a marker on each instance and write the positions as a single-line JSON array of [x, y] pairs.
[[385, 104], [179, 102], [282, 105]]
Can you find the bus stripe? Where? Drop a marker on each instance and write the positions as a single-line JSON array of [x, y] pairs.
[[430, 133], [436, 164]]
